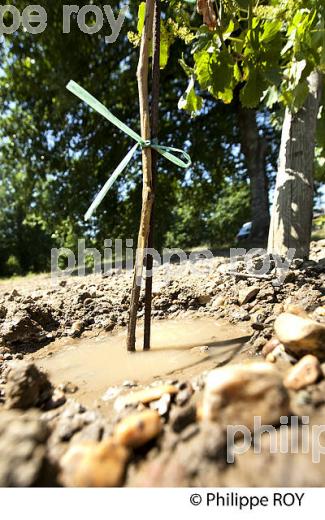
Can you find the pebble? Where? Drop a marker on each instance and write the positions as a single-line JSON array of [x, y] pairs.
[[229, 389], [76, 329], [68, 388], [270, 346], [304, 373], [94, 464], [162, 405], [145, 396], [138, 428], [301, 334], [320, 311], [247, 295], [279, 354]]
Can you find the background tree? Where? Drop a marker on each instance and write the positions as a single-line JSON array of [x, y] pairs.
[[266, 51]]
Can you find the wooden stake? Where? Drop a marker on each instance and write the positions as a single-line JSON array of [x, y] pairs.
[[147, 197], [154, 157]]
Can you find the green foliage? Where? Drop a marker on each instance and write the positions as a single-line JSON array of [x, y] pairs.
[[166, 36], [267, 51], [55, 153], [191, 101]]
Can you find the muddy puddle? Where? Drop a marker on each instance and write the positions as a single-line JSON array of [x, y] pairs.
[[95, 364]]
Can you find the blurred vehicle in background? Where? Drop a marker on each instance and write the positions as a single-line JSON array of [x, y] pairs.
[[244, 231]]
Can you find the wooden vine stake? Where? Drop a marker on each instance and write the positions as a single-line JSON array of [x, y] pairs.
[[147, 192], [154, 158]]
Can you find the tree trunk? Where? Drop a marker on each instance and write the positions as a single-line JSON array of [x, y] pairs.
[[254, 147], [293, 201]]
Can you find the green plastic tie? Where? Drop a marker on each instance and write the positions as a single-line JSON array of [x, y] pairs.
[[174, 155]]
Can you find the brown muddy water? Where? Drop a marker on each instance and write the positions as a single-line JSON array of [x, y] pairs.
[[96, 364]]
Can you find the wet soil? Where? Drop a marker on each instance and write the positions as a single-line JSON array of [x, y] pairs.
[[185, 346]]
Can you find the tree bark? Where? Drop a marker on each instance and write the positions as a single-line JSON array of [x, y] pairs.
[[147, 197], [293, 201], [254, 147]]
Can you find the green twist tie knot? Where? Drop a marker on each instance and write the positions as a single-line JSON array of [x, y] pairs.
[[174, 155]]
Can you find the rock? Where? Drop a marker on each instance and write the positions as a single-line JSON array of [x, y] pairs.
[[162, 405], [304, 373], [247, 295], [72, 420], [76, 329], [23, 460], [145, 396], [14, 294], [58, 399], [83, 296], [275, 467], [180, 418], [197, 460], [270, 346], [185, 393], [218, 302], [138, 428], [282, 359], [3, 312], [21, 329], [92, 432], [68, 388], [301, 335], [204, 299], [27, 386], [229, 389], [320, 311], [94, 464]]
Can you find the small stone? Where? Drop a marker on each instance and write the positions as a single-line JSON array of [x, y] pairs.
[[281, 357], [145, 396], [247, 295], [185, 393], [228, 390], [162, 405], [138, 428], [94, 464], [270, 346], [304, 373], [58, 399], [14, 294], [204, 299], [301, 334], [76, 329], [320, 311], [68, 388], [218, 302]]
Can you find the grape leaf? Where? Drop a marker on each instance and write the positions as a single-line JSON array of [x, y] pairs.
[[190, 101], [252, 92]]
